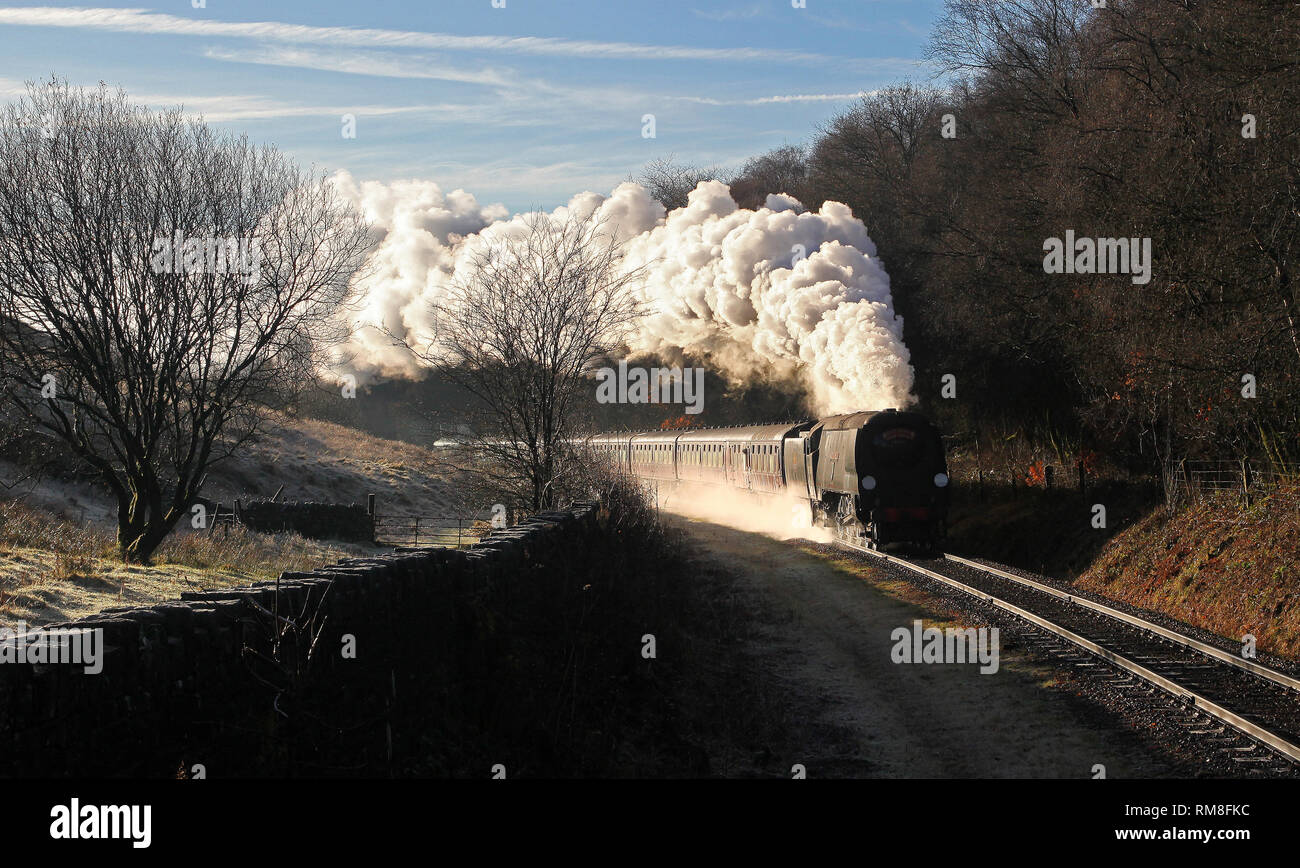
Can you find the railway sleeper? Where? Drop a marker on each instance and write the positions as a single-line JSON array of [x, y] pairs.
[[1240, 747]]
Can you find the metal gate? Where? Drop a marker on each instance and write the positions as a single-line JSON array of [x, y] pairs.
[[428, 530]]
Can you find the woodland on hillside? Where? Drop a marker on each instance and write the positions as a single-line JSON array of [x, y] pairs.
[[1173, 120]]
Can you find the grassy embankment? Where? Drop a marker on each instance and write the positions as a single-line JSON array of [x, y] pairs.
[[57, 539], [53, 569], [1216, 563]]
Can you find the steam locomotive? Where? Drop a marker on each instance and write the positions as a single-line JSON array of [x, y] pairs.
[[875, 477]]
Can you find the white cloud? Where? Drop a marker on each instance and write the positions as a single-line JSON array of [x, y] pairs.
[[739, 13], [364, 63], [511, 86], [841, 23], [145, 21], [220, 108], [550, 179], [782, 98]]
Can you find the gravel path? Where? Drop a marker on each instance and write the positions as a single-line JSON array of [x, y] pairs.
[[824, 640]]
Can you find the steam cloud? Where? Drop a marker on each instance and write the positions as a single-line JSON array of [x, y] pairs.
[[768, 293]]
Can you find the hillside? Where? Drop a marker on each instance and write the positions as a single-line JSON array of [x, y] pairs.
[[323, 461], [1216, 565], [57, 537], [311, 459]]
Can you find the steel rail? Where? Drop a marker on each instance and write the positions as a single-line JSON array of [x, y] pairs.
[[1250, 666], [1254, 731]]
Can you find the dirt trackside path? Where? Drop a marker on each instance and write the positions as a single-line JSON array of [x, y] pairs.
[[819, 642]]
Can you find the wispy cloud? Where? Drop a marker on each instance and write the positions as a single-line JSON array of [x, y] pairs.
[[780, 98], [220, 108], [911, 28], [510, 84], [841, 23], [364, 63], [738, 13], [145, 21], [565, 177]]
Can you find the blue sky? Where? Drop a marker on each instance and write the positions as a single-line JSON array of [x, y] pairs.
[[523, 105]]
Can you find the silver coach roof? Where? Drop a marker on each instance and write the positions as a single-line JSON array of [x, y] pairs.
[[742, 433], [747, 433]]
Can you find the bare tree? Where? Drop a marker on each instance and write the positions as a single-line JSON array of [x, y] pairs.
[[160, 284], [783, 170], [535, 307], [670, 183], [878, 142], [1034, 52]]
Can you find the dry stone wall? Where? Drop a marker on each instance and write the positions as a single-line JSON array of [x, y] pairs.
[[319, 673], [351, 522]]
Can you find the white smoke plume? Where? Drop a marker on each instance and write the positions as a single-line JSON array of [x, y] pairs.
[[768, 293], [417, 229]]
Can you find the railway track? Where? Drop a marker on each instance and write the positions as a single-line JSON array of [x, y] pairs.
[[1248, 712]]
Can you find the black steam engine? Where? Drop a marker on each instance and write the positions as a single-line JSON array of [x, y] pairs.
[[876, 477]]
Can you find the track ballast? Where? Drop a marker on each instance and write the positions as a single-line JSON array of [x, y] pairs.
[[1242, 708]]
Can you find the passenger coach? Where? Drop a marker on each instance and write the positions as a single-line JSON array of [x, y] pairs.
[[879, 475]]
